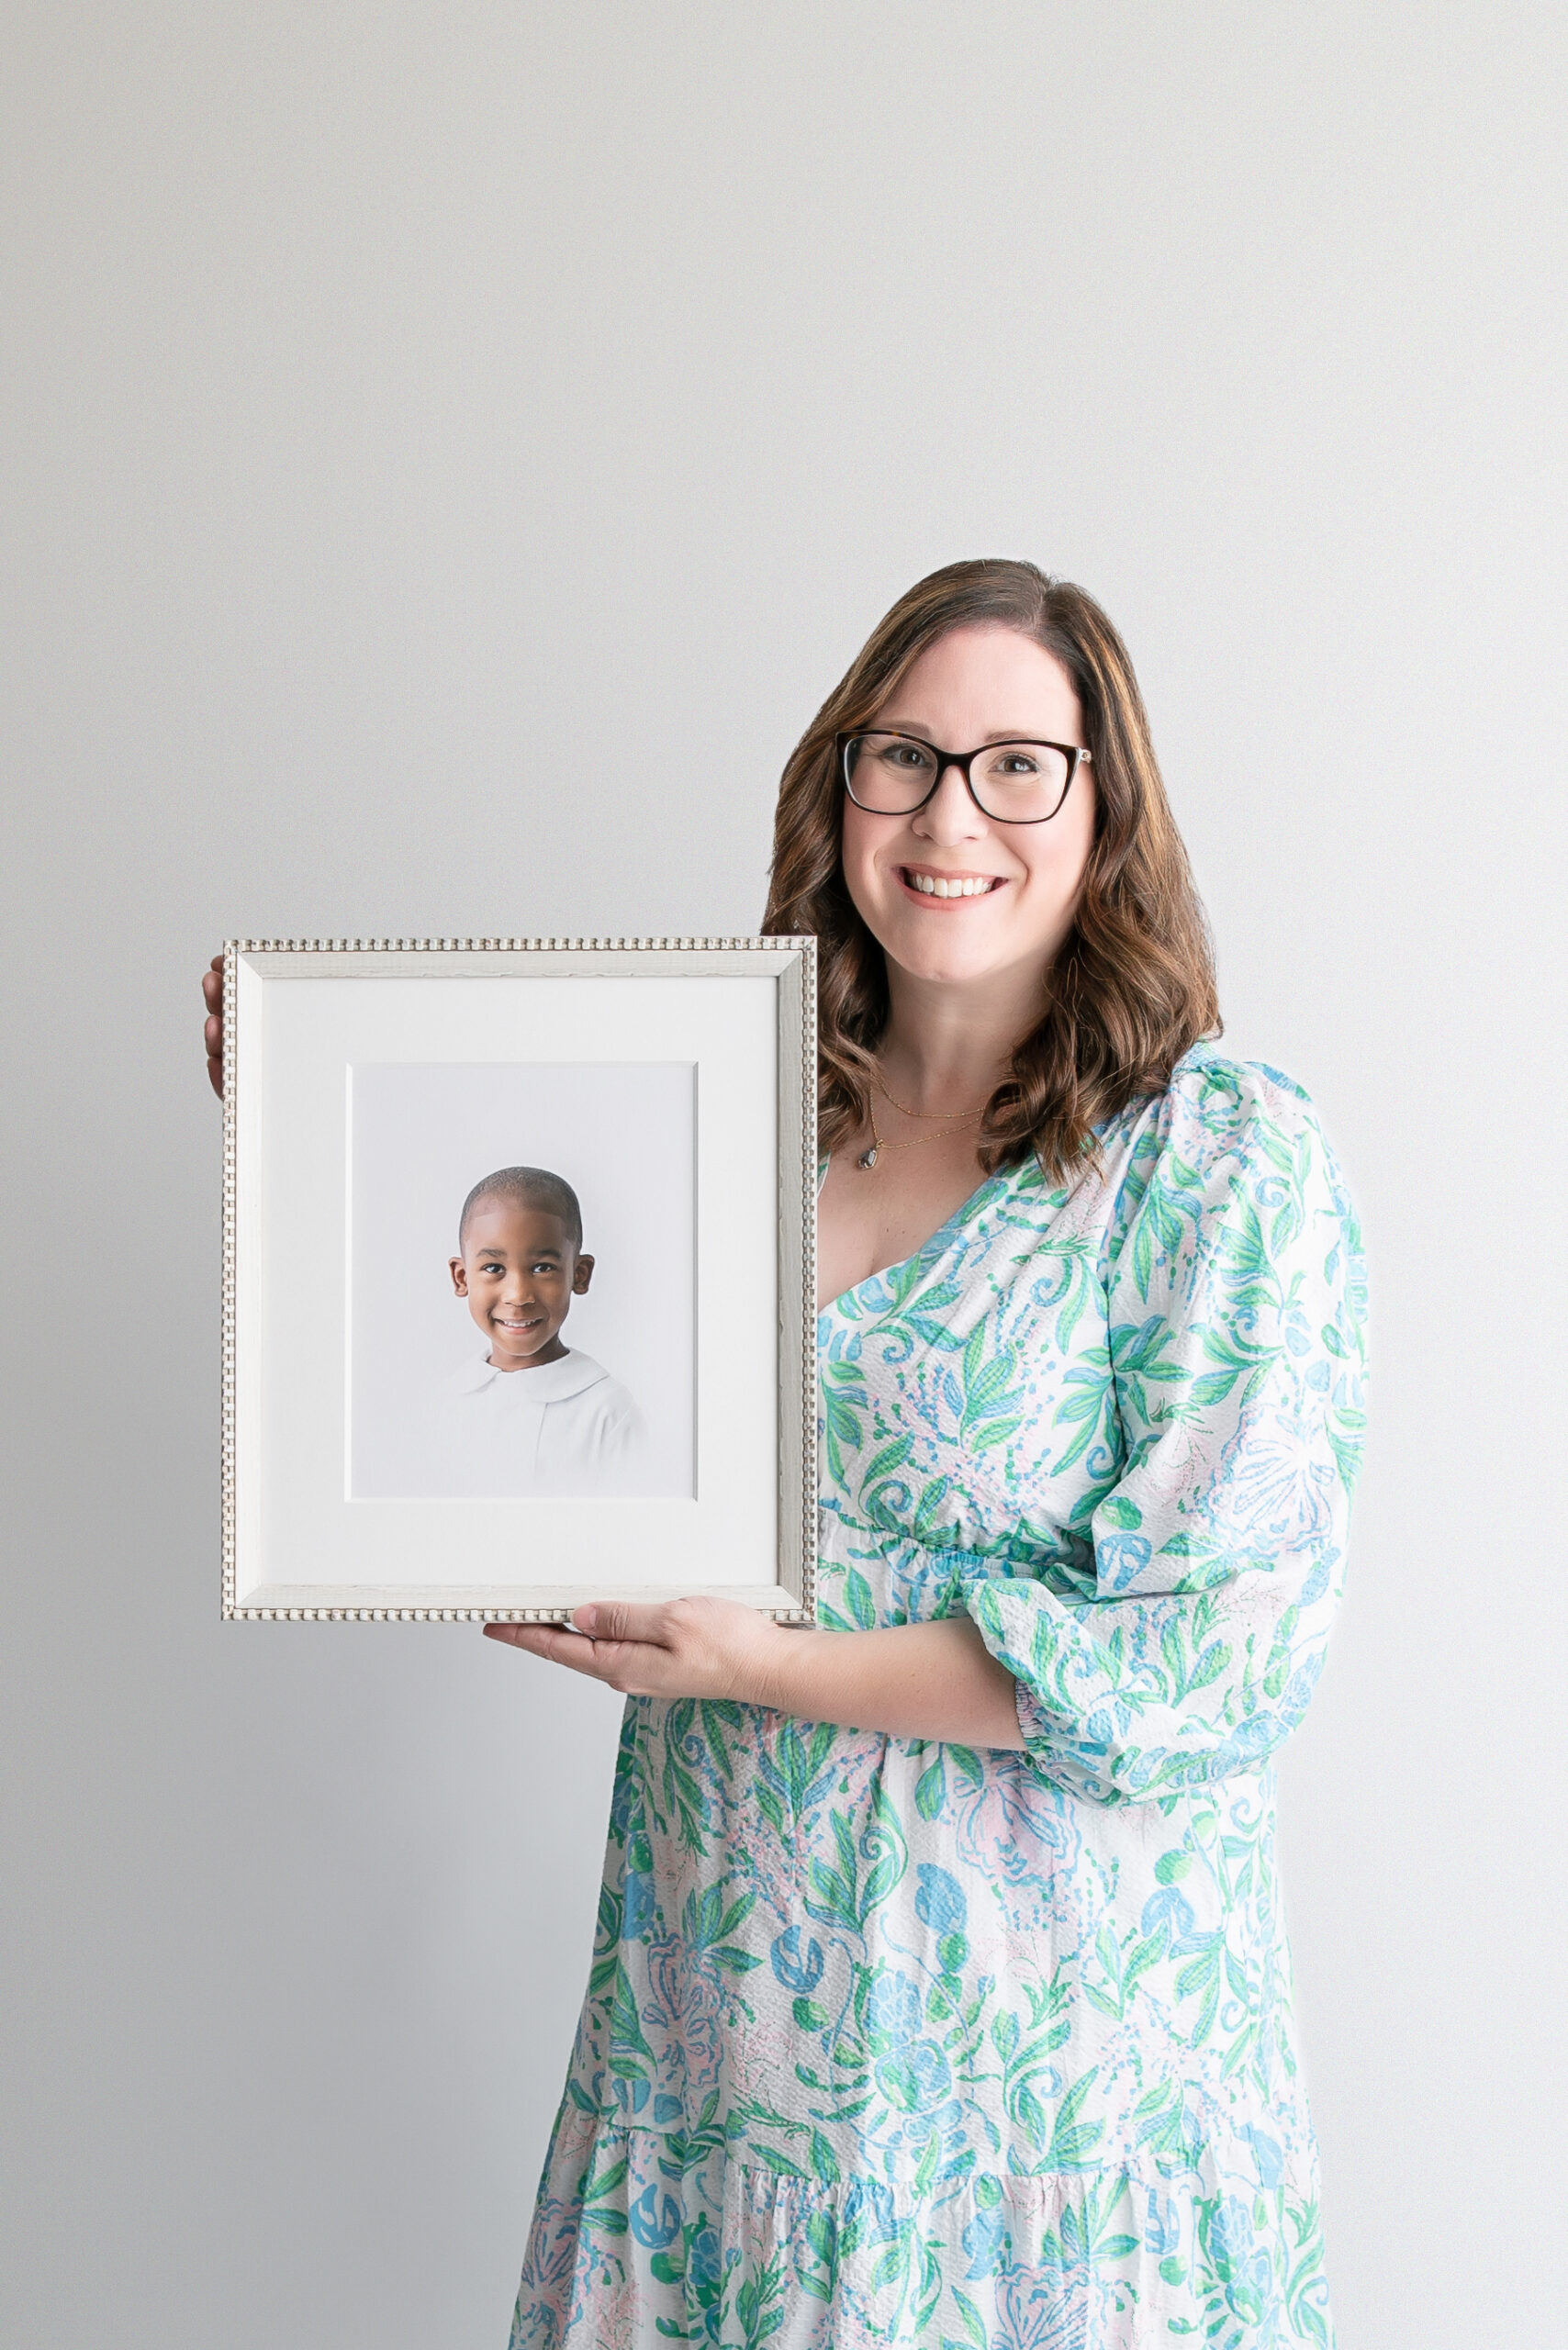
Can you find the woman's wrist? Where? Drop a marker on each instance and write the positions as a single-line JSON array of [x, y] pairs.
[[779, 1672]]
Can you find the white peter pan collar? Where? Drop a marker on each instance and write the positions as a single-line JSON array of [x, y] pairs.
[[550, 1383]]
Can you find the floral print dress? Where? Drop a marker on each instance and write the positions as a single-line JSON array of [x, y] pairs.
[[889, 2041]]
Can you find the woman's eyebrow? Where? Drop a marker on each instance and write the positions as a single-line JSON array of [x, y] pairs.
[[997, 734]]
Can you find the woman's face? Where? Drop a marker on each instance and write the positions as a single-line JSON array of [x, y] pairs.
[[974, 685]]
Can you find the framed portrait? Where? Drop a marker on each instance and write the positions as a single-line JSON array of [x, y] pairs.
[[518, 1276]]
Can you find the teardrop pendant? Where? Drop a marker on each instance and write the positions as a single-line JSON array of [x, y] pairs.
[[867, 1158]]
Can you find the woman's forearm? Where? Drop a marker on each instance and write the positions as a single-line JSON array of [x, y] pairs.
[[937, 1681]]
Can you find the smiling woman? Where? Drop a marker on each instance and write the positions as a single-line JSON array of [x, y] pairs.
[[941, 1994], [1105, 933]]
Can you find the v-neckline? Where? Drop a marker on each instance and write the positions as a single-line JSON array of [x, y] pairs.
[[920, 1257]]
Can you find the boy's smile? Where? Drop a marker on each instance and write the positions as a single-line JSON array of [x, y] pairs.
[[519, 1270]]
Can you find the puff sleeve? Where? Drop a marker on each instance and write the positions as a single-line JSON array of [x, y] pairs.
[[1236, 1296]]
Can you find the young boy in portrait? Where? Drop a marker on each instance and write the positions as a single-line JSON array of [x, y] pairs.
[[528, 1414]]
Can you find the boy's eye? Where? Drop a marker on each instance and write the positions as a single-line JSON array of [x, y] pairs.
[[490, 1266], [544, 1269]]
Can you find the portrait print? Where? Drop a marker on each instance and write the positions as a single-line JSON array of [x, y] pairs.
[[523, 1273]]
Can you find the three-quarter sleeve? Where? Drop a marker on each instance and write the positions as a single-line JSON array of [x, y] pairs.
[[1235, 1356]]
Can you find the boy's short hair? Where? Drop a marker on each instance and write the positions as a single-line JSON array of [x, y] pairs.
[[530, 1187]]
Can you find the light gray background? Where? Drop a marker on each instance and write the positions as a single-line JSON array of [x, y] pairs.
[[623, 1136], [394, 391]]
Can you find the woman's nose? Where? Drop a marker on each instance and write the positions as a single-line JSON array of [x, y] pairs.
[[950, 814]]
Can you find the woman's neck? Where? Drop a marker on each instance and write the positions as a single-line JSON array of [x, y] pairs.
[[947, 1046]]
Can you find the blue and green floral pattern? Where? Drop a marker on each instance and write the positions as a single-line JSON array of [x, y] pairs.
[[897, 2042]]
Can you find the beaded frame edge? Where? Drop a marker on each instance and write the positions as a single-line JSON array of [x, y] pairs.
[[805, 1499]]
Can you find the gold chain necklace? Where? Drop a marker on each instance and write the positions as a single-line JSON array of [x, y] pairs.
[[922, 1113], [868, 1158]]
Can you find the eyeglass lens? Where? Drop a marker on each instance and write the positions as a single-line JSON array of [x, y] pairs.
[[1016, 782]]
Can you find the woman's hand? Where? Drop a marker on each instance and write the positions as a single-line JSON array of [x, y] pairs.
[[933, 1680], [212, 1028], [674, 1647]]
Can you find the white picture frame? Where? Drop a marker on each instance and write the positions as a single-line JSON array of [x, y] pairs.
[[357, 1074]]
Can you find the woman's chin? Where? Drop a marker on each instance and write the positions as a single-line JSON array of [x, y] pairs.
[[946, 962]]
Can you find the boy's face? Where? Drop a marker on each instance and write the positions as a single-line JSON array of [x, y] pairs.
[[520, 1272]]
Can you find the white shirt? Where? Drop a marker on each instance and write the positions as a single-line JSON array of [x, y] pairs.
[[563, 1428]]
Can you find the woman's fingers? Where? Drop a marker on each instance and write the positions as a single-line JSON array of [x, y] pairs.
[[614, 1642], [212, 1027], [621, 1619], [555, 1644], [607, 1623]]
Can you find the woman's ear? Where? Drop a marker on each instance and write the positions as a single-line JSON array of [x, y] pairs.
[[582, 1273], [459, 1277]]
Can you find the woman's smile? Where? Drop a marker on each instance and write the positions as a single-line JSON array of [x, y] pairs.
[[935, 885]]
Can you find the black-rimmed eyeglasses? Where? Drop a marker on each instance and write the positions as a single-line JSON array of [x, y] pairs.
[[1013, 783]]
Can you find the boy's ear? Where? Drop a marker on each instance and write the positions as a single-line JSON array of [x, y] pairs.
[[459, 1277], [582, 1273]]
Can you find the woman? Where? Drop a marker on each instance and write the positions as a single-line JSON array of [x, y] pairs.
[[940, 1995]]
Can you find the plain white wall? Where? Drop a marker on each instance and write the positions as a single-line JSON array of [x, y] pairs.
[[392, 391]]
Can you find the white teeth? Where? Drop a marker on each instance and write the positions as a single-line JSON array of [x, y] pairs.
[[931, 886]]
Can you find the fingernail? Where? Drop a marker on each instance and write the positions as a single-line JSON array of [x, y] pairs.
[[586, 1619]]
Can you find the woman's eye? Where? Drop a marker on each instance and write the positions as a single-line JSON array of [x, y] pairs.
[[1016, 763], [904, 754]]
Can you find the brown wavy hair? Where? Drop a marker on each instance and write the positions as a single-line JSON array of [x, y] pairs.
[[1133, 986]]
